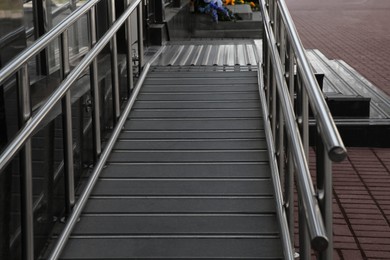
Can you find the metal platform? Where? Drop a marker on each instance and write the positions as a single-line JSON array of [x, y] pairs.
[[189, 177], [209, 52]]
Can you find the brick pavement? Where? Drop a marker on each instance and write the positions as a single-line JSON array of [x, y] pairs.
[[362, 202], [358, 32]]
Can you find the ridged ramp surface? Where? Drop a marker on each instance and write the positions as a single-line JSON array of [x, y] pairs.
[[188, 178]]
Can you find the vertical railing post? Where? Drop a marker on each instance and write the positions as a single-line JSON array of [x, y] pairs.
[[302, 115], [94, 84], [76, 42], [272, 86], [140, 37], [25, 159], [41, 21], [290, 163], [114, 65], [280, 123], [324, 190], [67, 128], [129, 61]]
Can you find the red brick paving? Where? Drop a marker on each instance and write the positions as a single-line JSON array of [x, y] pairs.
[[361, 205], [358, 32]]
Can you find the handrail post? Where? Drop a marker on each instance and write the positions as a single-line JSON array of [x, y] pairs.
[[67, 128], [76, 42], [140, 36], [129, 61], [303, 124], [289, 74], [25, 159], [94, 85], [297, 128], [332, 140], [324, 190], [114, 65]]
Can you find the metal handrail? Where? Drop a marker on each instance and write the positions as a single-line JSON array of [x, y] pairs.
[[29, 123], [289, 79], [29, 128], [79, 206], [332, 140], [306, 190], [40, 44], [280, 209]]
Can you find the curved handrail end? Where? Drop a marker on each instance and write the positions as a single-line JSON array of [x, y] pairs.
[[320, 243], [338, 154]]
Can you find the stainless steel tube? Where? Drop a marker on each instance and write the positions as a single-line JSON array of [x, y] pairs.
[[67, 134], [310, 204], [291, 172], [94, 85], [332, 140], [280, 210], [55, 254], [304, 238], [31, 125], [325, 198], [114, 65], [129, 56], [140, 37], [26, 181], [43, 42]]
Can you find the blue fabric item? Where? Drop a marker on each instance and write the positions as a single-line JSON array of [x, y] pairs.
[[212, 9]]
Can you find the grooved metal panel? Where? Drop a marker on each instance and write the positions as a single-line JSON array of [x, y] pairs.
[[209, 54], [232, 170], [221, 104], [174, 247], [189, 176], [181, 204]]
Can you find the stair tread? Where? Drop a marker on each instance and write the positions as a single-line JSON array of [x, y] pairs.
[[180, 204], [189, 177], [176, 224], [171, 248], [183, 187]]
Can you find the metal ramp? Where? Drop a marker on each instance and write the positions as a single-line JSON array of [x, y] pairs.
[[188, 178], [207, 161]]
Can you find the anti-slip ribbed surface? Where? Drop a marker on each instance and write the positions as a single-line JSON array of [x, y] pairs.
[[189, 177]]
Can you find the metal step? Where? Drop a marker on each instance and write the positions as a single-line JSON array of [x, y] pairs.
[[177, 224], [191, 134], [195, 113], [361, 110], [188, 178], [180, 205], [194, 144], [226, 170], [174, 247]]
